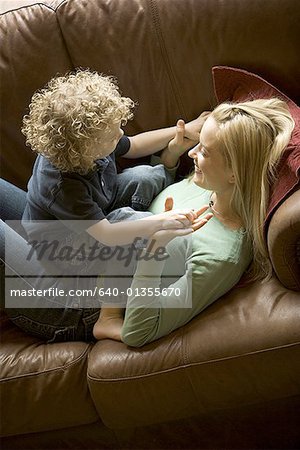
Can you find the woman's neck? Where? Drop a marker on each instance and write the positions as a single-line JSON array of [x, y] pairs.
[[220, 207]]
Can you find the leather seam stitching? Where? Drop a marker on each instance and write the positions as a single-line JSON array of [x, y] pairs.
[[200, 363], [47, 371], [165, 56], [28, 6]]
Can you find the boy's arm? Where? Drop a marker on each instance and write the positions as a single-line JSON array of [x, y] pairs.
[[123, 233], [150, 142], [147, 143]]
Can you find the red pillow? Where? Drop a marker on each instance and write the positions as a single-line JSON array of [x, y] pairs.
[[238, 85]]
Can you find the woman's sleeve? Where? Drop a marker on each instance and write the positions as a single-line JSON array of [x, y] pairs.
[[149, 316]]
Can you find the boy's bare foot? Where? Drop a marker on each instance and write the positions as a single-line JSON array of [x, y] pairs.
[[108, 327]]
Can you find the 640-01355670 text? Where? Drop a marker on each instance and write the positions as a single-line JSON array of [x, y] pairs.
[[141, 292]]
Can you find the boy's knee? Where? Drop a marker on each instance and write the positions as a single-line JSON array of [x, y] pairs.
[[146, 173], [136, 173]]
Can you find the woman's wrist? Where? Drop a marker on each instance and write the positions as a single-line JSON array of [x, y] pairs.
[[169, 159]]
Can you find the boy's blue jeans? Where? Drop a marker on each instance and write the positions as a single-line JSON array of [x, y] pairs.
[[136, 188]]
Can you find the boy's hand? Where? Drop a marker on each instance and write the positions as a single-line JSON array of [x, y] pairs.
[[162, 237], [197, 220], [174, 219], [193, 128]]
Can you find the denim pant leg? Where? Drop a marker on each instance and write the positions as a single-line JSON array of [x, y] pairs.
[[139, 185], [12, 204], [52, 324], [40, 317], [13, 201], [13, 247]]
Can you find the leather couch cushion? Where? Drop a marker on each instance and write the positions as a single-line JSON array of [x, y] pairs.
[[124, 42], [244, 349], [43, 386]]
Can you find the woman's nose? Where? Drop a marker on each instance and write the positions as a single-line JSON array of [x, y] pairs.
[[192, 152]]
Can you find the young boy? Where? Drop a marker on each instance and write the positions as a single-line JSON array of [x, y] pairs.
[[74, 124]]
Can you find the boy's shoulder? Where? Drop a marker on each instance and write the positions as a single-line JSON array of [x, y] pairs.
[[48, 180], [44, 167]]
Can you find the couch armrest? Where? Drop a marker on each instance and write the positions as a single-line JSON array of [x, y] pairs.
[[284, 242]]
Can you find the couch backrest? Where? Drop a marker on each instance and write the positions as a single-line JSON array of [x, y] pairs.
[[32, 51], [161, 51]]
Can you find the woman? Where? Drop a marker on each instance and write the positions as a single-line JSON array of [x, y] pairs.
[[236, 140], [240, 145]]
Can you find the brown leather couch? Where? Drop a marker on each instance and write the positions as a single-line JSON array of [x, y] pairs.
[[231, 377]]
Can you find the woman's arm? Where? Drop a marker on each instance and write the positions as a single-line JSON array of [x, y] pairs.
[[149, 313], [152, 312]]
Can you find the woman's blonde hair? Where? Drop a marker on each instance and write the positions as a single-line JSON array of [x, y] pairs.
[[70, 111], [253, 136]]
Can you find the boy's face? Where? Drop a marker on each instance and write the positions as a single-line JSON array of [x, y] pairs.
[[106, 141]]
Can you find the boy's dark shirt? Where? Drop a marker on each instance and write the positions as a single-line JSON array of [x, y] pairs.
[[53, 194], [75, 202]]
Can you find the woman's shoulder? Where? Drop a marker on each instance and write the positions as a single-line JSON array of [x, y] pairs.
[[216, 242]]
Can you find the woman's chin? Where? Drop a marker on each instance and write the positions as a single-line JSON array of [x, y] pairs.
[[197, 179]]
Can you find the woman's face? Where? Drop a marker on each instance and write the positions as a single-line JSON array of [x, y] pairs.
[[211, 170]]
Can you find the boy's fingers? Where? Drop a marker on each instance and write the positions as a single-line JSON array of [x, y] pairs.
[[191, 215], [206, 217], [184, 221], [183, 231], [200, 222], [202, 210]]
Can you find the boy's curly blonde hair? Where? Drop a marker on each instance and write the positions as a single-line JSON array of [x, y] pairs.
[[68, 113]]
